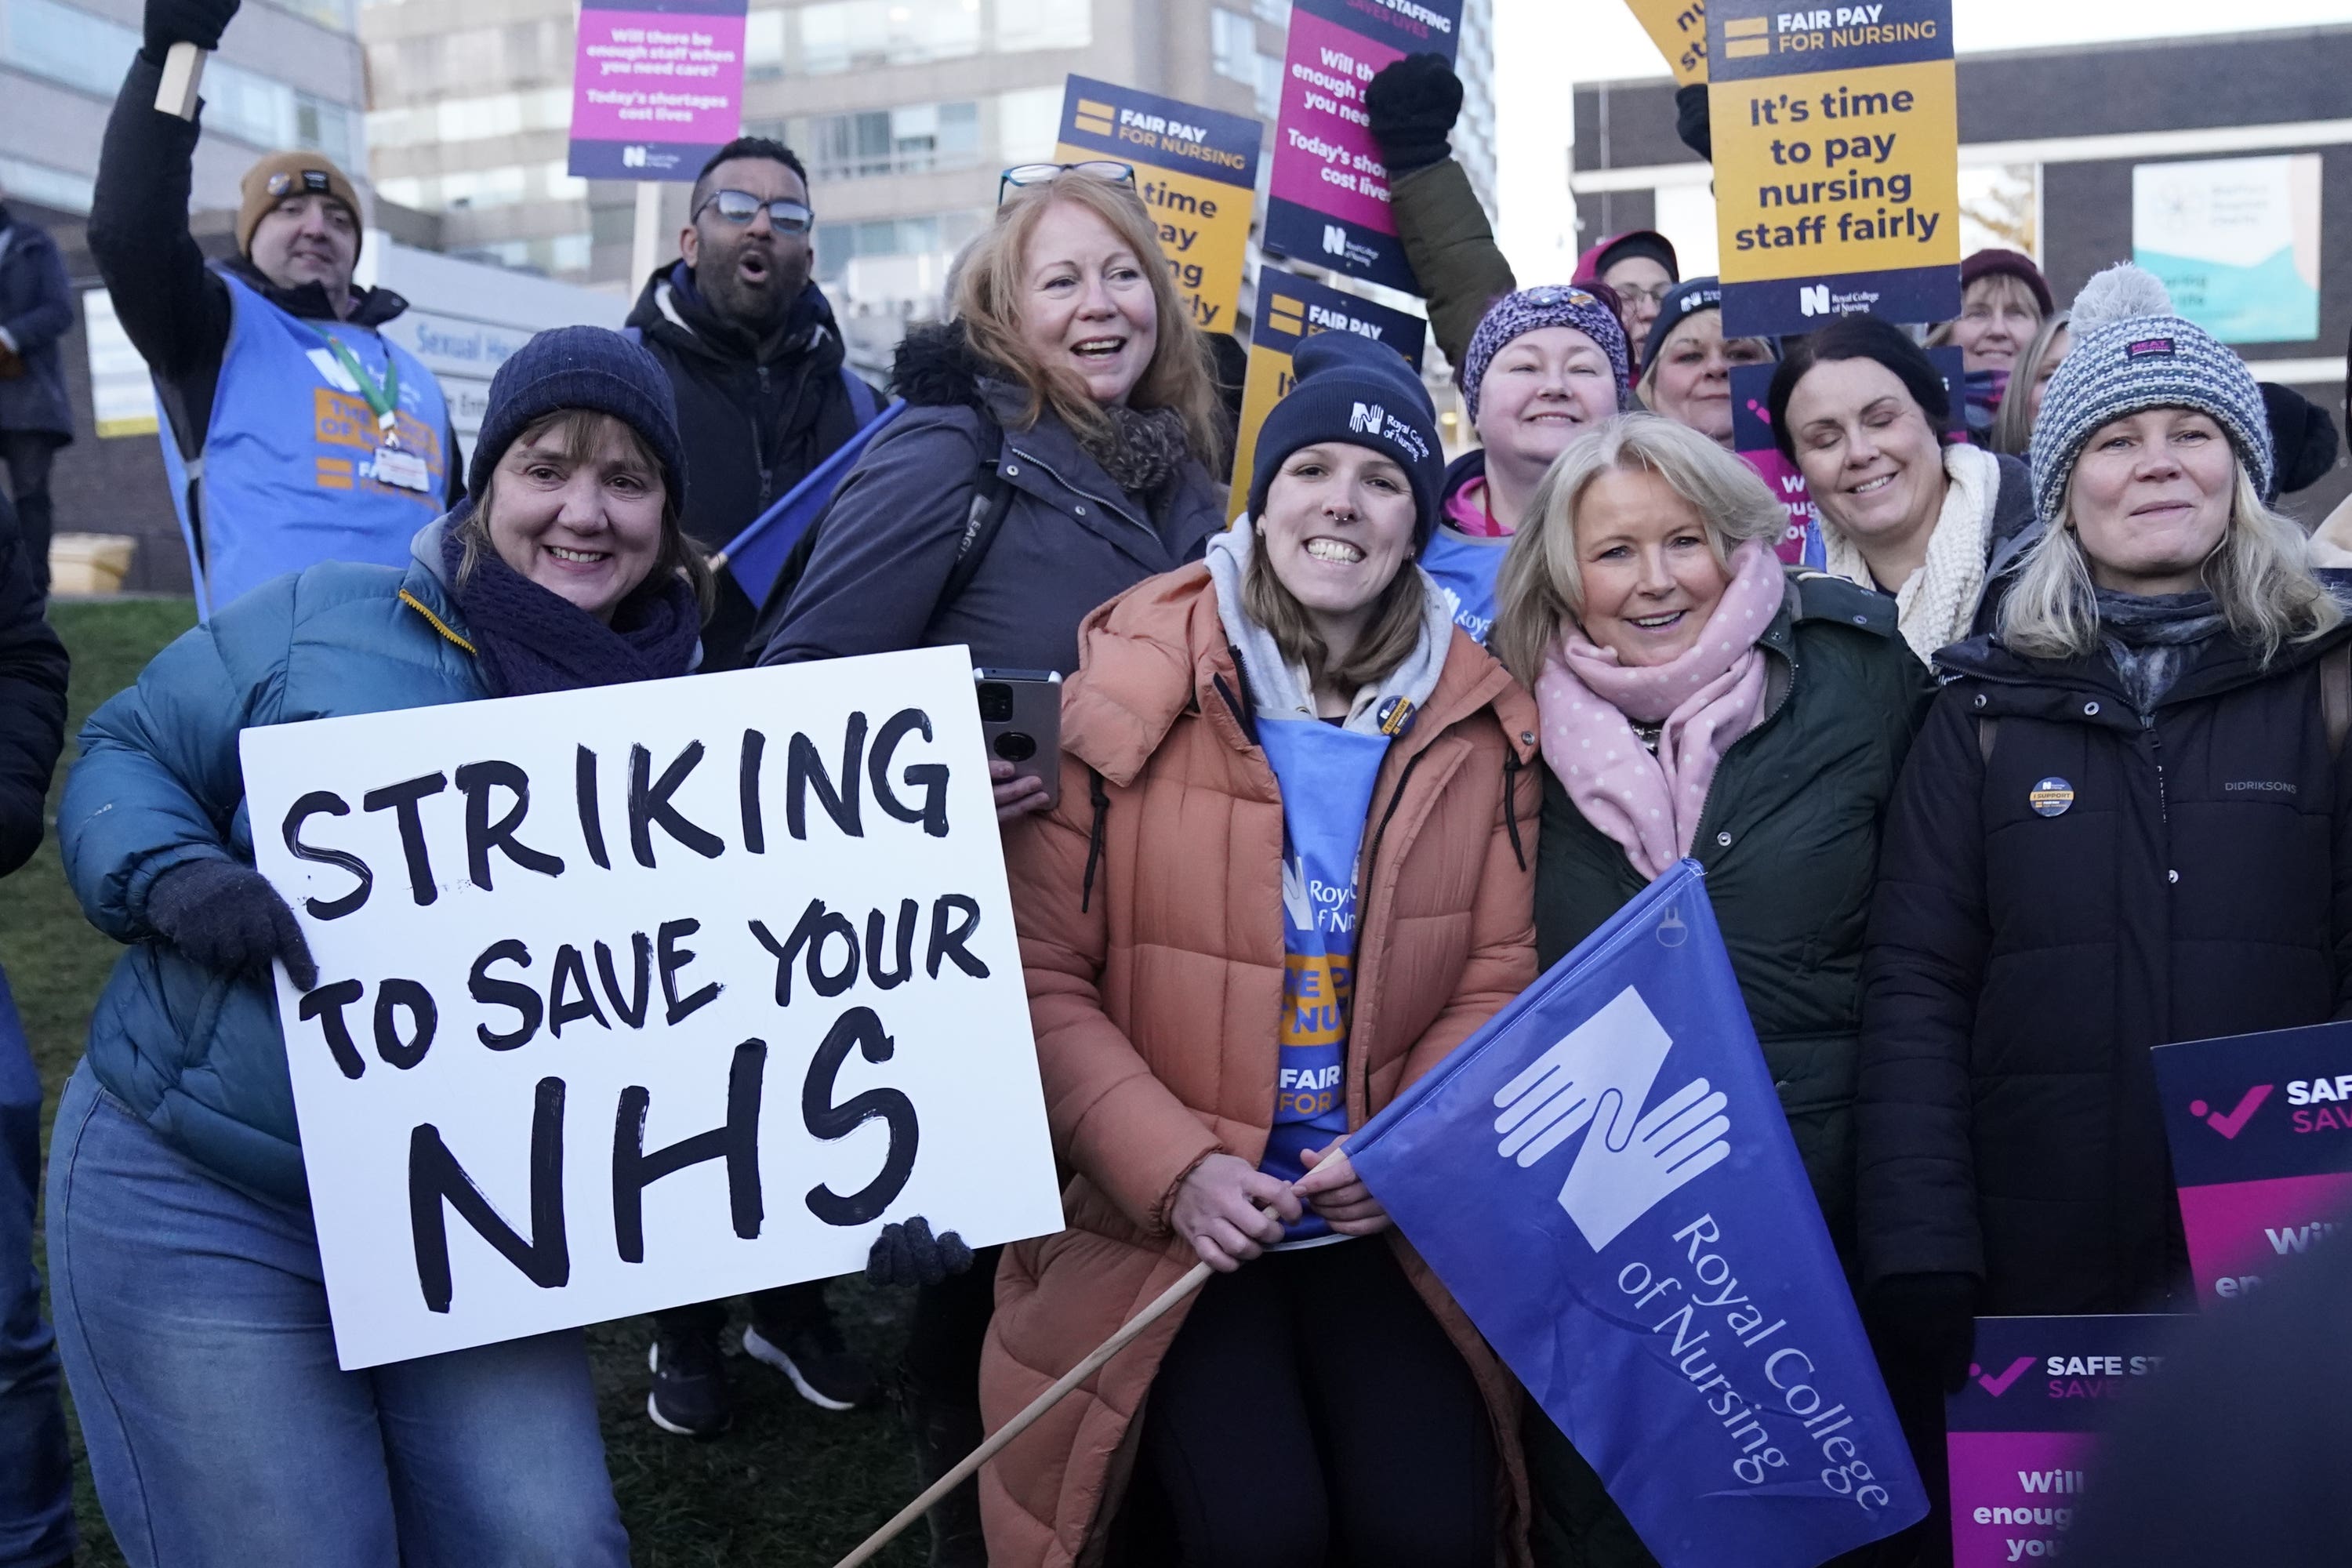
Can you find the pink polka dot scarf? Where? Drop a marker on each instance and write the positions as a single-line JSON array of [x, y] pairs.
[[1708, 698]]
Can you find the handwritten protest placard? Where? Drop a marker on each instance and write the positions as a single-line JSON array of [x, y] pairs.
[[1679, 29], [647, 995], [1329, 200], [656, 86], [1196, 170], [2261, 1129], [2020, 1431], [1836, 161], [1289, 311]]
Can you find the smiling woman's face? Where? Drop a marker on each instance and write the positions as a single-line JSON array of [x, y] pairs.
[[581, 517], [1869, 455], [2150, 499], [1650, 579], [1087, 306], [1540, 392], [1337, 528]]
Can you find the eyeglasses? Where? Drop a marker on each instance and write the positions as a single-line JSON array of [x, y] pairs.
[[738, 207], [1657, 296], [1103, 169]]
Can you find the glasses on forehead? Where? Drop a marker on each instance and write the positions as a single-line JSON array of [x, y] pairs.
[[739, 208], [1107, 169]]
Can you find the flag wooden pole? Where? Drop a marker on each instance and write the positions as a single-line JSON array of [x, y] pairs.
[[184, 73], [1022, 1423]]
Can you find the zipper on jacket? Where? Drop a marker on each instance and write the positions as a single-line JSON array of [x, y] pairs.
[[439, 624], [760, 448], [2163, 801], [1119, 508], [1708, 804]]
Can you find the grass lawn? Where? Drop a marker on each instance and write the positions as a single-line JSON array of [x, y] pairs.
[[791, 1485]]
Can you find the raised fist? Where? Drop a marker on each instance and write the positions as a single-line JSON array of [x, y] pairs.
[[198, 21]]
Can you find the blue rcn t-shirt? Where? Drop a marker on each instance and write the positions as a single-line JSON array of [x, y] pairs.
[[1465, 571], [1326, 775]]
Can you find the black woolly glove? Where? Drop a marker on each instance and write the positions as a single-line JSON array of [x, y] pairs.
[[229, 919], [909, 1254], [1930, 1321], [1412, 104], [1691, 122], [198, 21]]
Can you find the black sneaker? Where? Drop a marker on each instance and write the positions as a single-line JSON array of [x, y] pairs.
[[810, 1352], [689, 1392]]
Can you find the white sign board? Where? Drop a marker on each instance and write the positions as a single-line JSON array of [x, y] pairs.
[[2236, 241], [122, 394], [647, 995]]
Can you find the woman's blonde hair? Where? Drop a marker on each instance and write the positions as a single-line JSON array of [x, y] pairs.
[[2257, 576], [1646, 388], [2013, 422], [990, 285], [1540, 591], [582, 433]]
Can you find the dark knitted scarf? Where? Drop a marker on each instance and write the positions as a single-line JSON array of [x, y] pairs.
[[1144, 449], [2152, 638], [530, 640]]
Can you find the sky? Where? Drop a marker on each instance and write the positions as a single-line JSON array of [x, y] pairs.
[[1541, 44]]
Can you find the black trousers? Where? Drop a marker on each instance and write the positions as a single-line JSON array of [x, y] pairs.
[[1312, 1412], [28, 454], [784, 1307]]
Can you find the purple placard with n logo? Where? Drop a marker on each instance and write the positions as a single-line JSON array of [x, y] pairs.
[[656, 86], [2261, 1129], [2020, 1430]]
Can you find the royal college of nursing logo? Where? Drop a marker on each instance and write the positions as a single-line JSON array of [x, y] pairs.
[[1600, 1078]]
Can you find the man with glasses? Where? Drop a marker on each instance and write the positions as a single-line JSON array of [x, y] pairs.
[[763, 397], [295, 431], [753, 354]]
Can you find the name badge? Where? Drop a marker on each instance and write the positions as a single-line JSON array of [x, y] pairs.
[[403, 468], [2051, 797]]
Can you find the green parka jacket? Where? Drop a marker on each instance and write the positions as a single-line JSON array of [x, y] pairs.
[[1790, 840]]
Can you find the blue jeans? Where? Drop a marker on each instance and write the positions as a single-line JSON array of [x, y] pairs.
[[221, 1432], [37, 1523]]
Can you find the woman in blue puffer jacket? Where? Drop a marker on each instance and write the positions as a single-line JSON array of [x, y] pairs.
[[189, 1301]]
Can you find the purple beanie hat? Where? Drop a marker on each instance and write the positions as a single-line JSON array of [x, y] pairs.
[[1531, 311]]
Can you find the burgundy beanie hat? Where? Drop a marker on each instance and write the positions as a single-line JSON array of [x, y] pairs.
[[1992, 259]]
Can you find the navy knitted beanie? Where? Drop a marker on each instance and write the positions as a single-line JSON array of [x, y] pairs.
[[1353, 390], [581, 367]]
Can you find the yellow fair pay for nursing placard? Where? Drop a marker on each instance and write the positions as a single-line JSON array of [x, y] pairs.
[[1196, 170], [1679, 29]]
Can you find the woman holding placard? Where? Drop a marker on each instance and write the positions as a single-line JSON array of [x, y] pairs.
[[186, 1277], [1288, 874], [1699, 699], [1861, 410]]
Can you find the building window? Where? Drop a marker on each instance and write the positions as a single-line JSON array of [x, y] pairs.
[[1044, 24], [1233, 47], [912, 139], [1274, 13], [935, 234], [763, 46], [1028, 124], [69, 46], [558, 253], [55, 188], [471, 119], [843, 34]]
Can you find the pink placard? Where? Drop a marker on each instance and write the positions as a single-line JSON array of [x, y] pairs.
[[2240, 1231], [657, 76], [2014, 1495], [1323, 154]]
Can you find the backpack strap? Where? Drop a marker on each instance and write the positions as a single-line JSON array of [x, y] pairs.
[[2336, 696], [992, 498]]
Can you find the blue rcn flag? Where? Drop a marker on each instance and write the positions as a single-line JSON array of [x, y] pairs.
[[755, 555], [1603, 1178]]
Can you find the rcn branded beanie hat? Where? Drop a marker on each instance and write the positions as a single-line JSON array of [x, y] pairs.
[[1531, 311], [2132, 353], [581, 367], [1993, 260], [1687, 300], [284, 174], [1352, 390]]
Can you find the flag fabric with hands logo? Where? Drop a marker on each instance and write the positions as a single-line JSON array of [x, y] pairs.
[[1603, 1178]]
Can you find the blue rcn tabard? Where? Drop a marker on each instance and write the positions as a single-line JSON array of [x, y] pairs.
[[1465, 571], [289, 457], [1326, 775], [1603, 1178]]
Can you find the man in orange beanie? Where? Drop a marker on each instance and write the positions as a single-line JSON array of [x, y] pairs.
[[295, 431]]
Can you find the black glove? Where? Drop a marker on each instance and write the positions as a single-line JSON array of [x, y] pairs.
[[909, 1255], [1413, 105], [198, 21], [1691, 122], [228, 918], [1929, 1320]]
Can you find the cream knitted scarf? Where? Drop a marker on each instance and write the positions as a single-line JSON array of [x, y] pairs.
[[1935, 607]]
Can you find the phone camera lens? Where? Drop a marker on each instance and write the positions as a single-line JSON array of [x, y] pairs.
[[995, 703], [1015, 747]]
